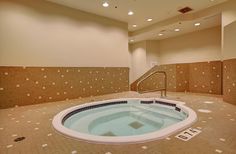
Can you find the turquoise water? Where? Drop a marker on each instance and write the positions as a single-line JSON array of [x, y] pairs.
[[124, 119]]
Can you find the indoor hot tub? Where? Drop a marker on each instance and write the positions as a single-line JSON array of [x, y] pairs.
[[129, 120]]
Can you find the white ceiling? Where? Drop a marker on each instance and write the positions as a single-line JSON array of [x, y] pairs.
[[158, 10], [185, 27]]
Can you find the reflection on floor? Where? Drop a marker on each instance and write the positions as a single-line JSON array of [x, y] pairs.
[[28, 129]]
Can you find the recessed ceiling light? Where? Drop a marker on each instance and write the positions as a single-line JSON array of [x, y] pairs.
[[197, 24], [160, 34], [177, 29], [131, 40], [150, 19], [134, 25], [105, 4], [130, 13]]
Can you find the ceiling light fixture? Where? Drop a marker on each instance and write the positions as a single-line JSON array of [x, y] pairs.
[[105, 4], [150, 19], [134, 25], [197, 24], [160, 34], [130, 13], [177, 30], [131, 40]]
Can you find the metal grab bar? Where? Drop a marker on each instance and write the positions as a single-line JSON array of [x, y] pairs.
[[148, 76]]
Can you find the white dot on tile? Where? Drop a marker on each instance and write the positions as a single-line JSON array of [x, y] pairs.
[[195, 68], [203, 73], [204, 111], [71, 87], [229, 115], [234, 84], [62, 76], [37, 123], [6, 73], [43, 87], [17, 85], [45, 76], [53, 83], [28, 94], [195, 86], [40, 97], [78, 70], [1, 88], [144, 147], [208, 102], [36, 128], [73, 152], [213, 68], [64, 92], [9, 146], [66, 82], [217, 75], [44, 145], [42, 69], [1, 128], [36, 82], [58, 93], [232, 119], [204, 121], [168, 138], [108, 153], [49, 134], [227, 77], [67, 71], [49, 97], [210, 118], [14, 135], [58, 71], [229, 90], [17, 121], [222, 139], [27, 79], [212, 82], [218, 151], [28, 121], [203, 86]]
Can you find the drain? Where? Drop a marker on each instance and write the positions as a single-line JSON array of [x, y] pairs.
[[19, 139]]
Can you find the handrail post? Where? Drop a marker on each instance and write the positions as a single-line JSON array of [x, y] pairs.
[[165, 81]]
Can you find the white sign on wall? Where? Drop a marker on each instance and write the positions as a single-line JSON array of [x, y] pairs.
[[153, 63], [188, 134]]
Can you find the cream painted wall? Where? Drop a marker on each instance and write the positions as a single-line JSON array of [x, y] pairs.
[[143, 56], [229, 49], [204, 45], [229, 30], [153, 56], [39, 33], [138, 59]]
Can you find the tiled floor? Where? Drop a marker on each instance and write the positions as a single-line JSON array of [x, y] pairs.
[[216, 119]]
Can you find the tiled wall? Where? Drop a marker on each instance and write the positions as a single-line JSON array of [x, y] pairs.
[[229, 81], [32, 85], [202, 77], [206, 77]]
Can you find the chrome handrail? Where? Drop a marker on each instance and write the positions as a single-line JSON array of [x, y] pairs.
[[148, 76]]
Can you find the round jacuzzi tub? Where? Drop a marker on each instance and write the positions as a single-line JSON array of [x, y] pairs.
[[129, 120]]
